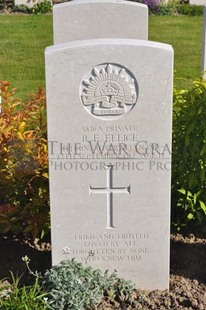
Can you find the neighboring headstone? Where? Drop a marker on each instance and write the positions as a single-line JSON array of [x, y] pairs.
[[197, 2], [93, 19], [25, 2], [203, 65], [28, 3], [109, 104]]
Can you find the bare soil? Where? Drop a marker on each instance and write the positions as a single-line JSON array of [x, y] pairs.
[[187, 279]]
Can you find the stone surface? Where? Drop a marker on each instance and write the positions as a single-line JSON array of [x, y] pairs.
[[109, 130], [29, 3], [203, 64], [197, 2], [91, 19]]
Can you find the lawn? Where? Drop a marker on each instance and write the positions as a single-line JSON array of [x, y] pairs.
[[184, 33], [24, 38]]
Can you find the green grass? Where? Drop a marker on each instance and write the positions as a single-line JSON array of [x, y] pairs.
[[184, 33], [24, 38]]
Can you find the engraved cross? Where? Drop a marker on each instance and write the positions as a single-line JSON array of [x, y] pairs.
[[109, 190]]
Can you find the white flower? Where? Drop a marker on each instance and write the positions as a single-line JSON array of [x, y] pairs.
[[66, 250], [26, 259]]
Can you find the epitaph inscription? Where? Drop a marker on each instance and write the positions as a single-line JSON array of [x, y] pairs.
[[109, 190], [109, 246], [109, 91]]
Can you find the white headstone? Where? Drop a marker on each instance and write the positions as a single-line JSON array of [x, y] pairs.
[[92, 19], [203, 65], [28, 3], [197, 2], [109, 129]]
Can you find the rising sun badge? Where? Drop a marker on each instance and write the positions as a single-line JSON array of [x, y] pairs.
[[109, 91]]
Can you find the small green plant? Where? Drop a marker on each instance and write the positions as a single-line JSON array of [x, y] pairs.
[[24, 188], [14, 297], [172, 8], [191, 10], [73, 286], [167, 9], [42, 7], [194, 208], [189, 155], [5, 289]]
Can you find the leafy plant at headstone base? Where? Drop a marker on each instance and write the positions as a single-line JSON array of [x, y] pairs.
[[16, 297], [24, 194], [189, 156], [70, 285], [41, 7], [166, 8], [191, 10]]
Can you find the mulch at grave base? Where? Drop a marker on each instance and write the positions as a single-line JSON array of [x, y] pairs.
[[187, 280]]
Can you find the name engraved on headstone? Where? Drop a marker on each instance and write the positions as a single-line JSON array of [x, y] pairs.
[[109, 190], [111, 142]]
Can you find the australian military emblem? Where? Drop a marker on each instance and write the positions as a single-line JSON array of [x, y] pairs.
[[109, 91]]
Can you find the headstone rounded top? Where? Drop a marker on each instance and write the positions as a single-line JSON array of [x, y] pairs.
[[93, 19], [101, 1]]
